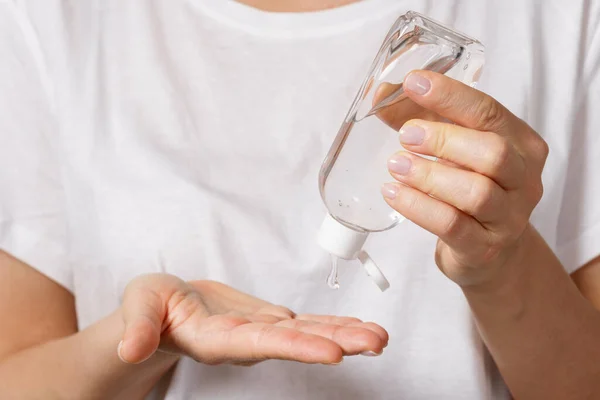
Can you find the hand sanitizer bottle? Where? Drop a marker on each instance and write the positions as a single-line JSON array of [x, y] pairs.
[[356, 166]]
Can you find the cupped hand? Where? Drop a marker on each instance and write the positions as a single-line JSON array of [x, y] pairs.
[[214, 324], [479, 194]]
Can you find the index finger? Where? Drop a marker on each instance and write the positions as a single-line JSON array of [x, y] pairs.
[[459, 103]]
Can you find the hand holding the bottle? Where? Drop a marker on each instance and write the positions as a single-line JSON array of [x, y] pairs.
[[214, 323], [478, 196]]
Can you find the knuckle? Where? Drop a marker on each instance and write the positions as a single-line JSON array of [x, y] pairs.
[[410, 202], [445, 99], [336, 333], [537, 191], [499, 155], [452, 225], [481, 196], [541, 150], [489, 113], [428, 177], [441, 140]]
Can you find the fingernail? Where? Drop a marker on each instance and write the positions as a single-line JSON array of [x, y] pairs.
[[417, 84], [390, 191], [370, 354], [411, 134], [119, 352], [338, 363], [399, 164]]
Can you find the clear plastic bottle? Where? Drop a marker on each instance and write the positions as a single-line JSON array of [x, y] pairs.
[[356, 166]]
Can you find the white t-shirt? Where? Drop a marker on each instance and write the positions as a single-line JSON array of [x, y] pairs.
[[185, 136]]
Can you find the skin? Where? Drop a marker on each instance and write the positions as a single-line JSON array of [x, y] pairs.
[[517, 296], [478, 200], [161, 319]]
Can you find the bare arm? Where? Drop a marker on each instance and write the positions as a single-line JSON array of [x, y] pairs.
[[540, 330], [542, 333], [42, 356], [206, 320]]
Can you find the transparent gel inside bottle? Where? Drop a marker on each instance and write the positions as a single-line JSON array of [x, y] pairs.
[[355, 168]]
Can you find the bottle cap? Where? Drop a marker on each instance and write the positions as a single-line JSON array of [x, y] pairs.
[[339, 240], [373, 271], [346, 243]]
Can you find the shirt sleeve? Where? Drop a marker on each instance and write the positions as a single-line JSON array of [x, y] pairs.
[[579, 221], [32, 217]]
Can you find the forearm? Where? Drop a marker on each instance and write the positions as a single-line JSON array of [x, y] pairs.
[[82, 366], [542, 333]]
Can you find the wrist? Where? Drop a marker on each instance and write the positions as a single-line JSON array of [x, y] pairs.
[[532, 277], [508, 284]]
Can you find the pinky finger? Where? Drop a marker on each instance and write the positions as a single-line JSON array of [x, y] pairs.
[[452, 226]]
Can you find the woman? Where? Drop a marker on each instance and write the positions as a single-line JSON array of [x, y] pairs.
[[150, 146]]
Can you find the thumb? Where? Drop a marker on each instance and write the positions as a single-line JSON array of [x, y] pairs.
[[143, 312]]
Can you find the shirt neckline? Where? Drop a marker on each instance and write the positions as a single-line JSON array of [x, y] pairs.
[[304, 24]]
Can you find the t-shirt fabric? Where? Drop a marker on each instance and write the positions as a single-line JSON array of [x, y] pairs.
[[185, 136]]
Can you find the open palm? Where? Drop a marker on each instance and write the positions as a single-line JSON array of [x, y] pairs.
[[214, 323]]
